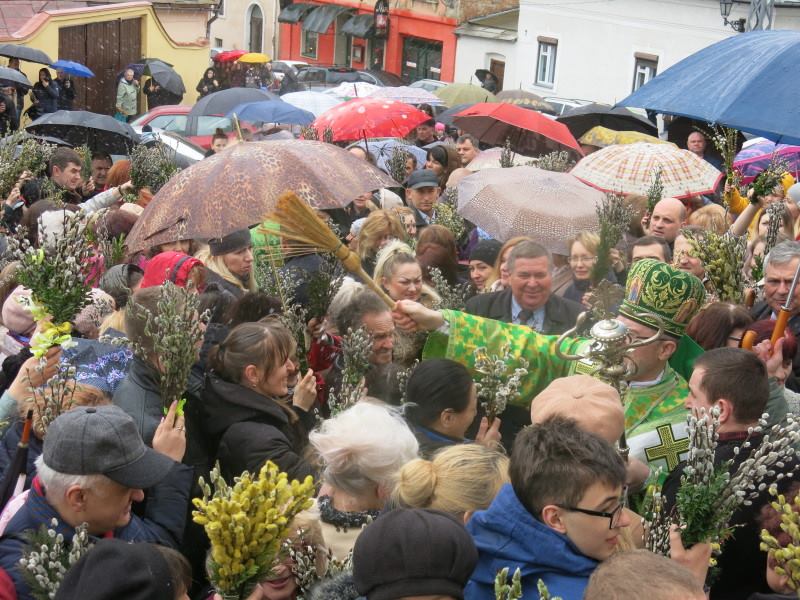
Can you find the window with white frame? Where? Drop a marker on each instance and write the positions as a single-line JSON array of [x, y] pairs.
[[308, 44], [546, 62], [645, 69]]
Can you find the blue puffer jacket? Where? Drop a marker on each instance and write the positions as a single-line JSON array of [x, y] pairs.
[[506, 535]]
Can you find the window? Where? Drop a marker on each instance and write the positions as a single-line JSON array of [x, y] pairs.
[[256, 22], [308, 43], [218, 43], [176, 123], [644, 71], [209, 125], [546, 63]]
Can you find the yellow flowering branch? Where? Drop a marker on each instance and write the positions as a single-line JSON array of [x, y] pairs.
[[786, 557], [246, 524]]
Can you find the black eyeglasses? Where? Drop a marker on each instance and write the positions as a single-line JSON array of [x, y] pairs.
[[613, 516]]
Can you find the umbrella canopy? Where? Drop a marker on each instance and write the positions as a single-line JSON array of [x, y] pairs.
[[80, 127], [14, 76], [602, 136], [237, 187], [756, 155], [370, 117], [530, 132], [229, 55], [348, 90], [165, 76], [271, 111], [256, 58], [314, 102], [550, 207], [629, 170], [382, 150], [25, 53], [407, 94], [490, 159], [526, 100], [750, 76], [464, 93], [72, 68], [222, 102], [446, 117], [583, 118]]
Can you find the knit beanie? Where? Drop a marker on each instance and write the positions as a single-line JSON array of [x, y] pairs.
[[413, 552], [232, 242], [114, 568], [16, 317], [88, 320], [486, 251]]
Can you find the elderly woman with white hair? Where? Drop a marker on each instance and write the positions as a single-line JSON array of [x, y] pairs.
[[360, 451]]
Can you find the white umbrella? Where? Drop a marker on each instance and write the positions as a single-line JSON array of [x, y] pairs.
[[490, 159], [314, 102], [348, 90], [407, 94]]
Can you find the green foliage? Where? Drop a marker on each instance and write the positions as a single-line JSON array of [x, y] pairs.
[[18, 154], [322, 285], [500, 377], [152, 167], [86, 161], [505, 591], [723, 259], [396, 164], [453, 297], [446, 214], [614, 216], [356, 352], [507, 155], [766, 181], [656, 191], [560, 162]]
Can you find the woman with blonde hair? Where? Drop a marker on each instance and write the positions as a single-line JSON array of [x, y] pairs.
[[378, 229], [399, 273], [458, 480], [229, 263], [499, 277], [409, 221], [711, 217]]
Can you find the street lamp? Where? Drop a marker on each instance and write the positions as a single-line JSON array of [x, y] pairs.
[[725, 7]]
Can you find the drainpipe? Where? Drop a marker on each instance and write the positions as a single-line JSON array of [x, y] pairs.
[[214, 15]]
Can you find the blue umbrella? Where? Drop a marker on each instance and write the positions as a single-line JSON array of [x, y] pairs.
[[748, 82], [271, 111], [72, 68]]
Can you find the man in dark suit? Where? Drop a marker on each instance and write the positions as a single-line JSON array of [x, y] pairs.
[[422, 194], [529, 299]]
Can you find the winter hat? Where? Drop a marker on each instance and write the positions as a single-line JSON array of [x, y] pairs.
[[17, 317], [169, 266], [593, 404], [232, 242], [486, 251], [114, 568], [118, 282], [88, 320], [355, 227], [413, 552]]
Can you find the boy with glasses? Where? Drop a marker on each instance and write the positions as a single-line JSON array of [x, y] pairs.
[[561, 515]]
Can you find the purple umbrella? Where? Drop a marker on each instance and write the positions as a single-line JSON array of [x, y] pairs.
[[756, 156]]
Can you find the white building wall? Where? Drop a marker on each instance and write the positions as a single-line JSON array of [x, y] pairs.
[[233, 27], [477, 53], [598, 40]]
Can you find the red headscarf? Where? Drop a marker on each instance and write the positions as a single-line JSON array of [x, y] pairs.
[[169, 266]]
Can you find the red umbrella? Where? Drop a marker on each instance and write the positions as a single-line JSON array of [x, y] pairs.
[[363, 118], [229, 55], [531, 133]]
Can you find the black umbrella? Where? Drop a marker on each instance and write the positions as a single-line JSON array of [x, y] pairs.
[[446, 117], [222, 102], [165, 76], [481, 74], [679, 128], [147, 61], [79, 127], [13, 76], [17, 472], [25, 53], [582, 118]]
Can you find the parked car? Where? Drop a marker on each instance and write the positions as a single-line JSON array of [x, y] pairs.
[[186, 153], [315, 77], [429, 85], [281, 67], [176, 119], [562, 105]]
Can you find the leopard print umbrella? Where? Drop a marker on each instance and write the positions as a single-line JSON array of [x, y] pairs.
[[237, 187]]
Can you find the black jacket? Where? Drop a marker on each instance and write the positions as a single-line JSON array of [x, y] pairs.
[[741, 567], [560, 314], [224, 284], [139, 396], [248, 429], [47, 97], [67, 95], [762, 311]]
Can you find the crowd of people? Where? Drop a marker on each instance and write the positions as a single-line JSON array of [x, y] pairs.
[[427, 493]]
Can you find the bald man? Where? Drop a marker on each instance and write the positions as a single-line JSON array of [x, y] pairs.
[[669, 215]]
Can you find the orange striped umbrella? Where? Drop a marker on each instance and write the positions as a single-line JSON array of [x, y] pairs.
[[629, 169]]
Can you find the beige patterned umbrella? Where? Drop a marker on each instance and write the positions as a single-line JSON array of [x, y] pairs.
[[239, 186], [550, 207], [490, 159]]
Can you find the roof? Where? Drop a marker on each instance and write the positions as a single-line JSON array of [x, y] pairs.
[[15, 14], [498, 26]]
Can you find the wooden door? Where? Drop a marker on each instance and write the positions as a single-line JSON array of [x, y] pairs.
[[106, 48], [498, 69]]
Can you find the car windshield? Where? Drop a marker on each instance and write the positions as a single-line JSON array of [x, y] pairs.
[[343, 77], [209, 125]]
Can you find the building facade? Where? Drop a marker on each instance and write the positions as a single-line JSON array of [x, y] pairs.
[[603, 50], [246, 25]]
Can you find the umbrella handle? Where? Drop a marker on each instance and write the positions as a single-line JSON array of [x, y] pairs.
[[238, 128]]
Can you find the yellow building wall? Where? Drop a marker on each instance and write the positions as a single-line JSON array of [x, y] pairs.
[[189, 59]]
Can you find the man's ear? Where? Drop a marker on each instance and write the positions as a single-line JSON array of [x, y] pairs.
[[725, 410], [552, 517], [75, 498], [667, 349]]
